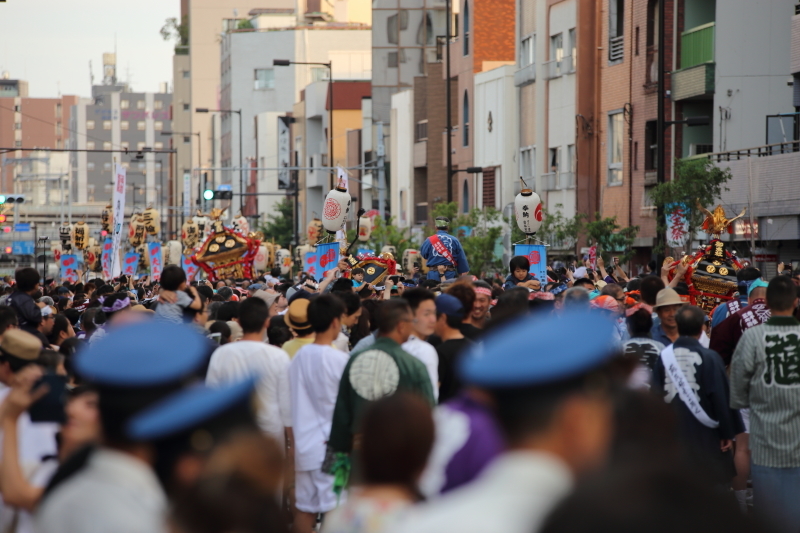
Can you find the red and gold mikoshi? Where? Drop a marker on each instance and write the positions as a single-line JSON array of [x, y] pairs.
[[107, 219], [227, 254], [80, 235], [136, 230], [190, 236], [152, 222], [314, 231], [376, 269]]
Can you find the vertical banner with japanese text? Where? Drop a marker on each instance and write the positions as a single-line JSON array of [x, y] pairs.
[[677, 224], [189, 267], [310, 264], [537, 257], [105, 257], [284, 153], [69, 268], [130, 262], [120, 183], [156, 265]]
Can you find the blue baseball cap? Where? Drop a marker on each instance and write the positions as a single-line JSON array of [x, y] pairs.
[[755, 284], [192, 408], [447, 304], [146, 354], [538, 350]]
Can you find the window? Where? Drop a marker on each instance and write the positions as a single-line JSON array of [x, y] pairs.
[[466, 119], [90, 124], [527, 164], [568, 173], [392, 60], [555, 160], [124, 145], [140, 146], [573, 50], [89, 166], [17, 144], [158, 104], [264, 79], [58, 111], [187, 139], [571, 162], [465, 198], [140, 125], [106, 145], [140, 104], [124, 125], [90, 145], [141, 165], [527, 51], [158, 125], [395, 24], [652, 23], [126, 165], [616, 134], [106, 124], [159, 145], [18, 125], [421, 131], [319, 74], [556, 54], [124, 104], [466, 28], [185, 73], [616, 26], [651, 145], [186, 107], [106, 166]]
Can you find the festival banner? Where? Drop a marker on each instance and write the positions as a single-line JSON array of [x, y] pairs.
[[129, 264], [105, 258], [310, 264], [593, 256], [189, 267], [69, 268], [537, 257], [327, 257], [120, 181], [677, 224], [156, 264]]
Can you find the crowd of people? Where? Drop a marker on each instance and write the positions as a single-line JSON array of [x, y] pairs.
[[589, 399]]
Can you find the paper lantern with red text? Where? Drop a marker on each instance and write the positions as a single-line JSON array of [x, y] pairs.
[[528, 210]]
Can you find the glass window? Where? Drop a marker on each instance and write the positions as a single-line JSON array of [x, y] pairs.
[[140, 125], [186, 107], [158, 126], [158, 104], [106, 166], [527, 164], [140, 146], [187, 139], [124, 145], [159, 145], [185, 73], [466, 28], [556, 54], [140, 104], [466, 119], [106, 124], [124, 104], [465, 198], [573, 48], [527, 51], [90, 124], [126, 165], [89, 166], [90, 145], [616, 135], [106, 145], [124, 125], [264, 79]]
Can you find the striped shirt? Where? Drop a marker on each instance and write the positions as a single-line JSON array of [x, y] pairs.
[[765, 376]]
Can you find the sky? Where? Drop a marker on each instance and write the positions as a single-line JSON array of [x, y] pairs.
[[49, 43]]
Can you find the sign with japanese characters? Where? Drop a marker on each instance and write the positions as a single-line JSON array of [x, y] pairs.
[[105, 257], [328, 257], [677, 224], [537, 257], [120, 183], [69, 268], [130, 262], [156, 265]]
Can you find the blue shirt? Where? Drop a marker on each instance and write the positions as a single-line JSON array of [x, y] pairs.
[[434, 258]]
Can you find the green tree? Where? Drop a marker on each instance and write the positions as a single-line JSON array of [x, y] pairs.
[[279, 224], [556, 229], [484, 228], [388, 234], [696, 180], [610, 237], [172, 30]]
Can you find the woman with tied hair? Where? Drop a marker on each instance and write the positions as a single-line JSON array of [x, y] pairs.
[[397, 437]]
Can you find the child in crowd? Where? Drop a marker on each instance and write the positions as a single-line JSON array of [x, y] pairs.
[[174, 298], [520, 276]]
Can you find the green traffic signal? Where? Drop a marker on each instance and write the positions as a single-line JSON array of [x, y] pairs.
[[208, 194], [2, 198]]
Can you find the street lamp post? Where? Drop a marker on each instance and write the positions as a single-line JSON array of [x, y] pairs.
[[329, 66], [241, 165]]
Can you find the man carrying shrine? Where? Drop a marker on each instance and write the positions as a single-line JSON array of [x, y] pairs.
[[765, 378], [443, 253]]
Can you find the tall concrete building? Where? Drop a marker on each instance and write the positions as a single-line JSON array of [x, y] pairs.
[[120, 120]]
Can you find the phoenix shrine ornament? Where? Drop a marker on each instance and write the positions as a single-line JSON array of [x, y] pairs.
[[528, 211], [336, 208]]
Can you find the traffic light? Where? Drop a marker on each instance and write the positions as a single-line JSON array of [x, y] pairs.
[[3, 218], [8, 249], [208, 195], [12, 198]]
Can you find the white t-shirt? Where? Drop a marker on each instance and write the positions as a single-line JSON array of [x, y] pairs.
[[314, 376], [237, 361], [342, 342], [427, 354]]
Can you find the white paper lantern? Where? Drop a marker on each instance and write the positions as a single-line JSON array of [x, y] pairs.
[[364, 229], [260, 261], [410, 256], [173, 250], [528, 210], [335, 209], [241, 225], [65, 232], [283, 259]]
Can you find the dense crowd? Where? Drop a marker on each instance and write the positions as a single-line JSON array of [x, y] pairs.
[[590, 399]]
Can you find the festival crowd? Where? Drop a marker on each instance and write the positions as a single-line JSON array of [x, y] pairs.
[[590, 400]]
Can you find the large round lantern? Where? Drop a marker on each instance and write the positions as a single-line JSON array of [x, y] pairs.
[[152, 222], [260, 261], [528, 209], [364, 229], [241, 225], [314, 231], [283, 259], [80, 235], [173, 251], [107, 218], [65, 235], [335, 209], [136, 232], [189, 236]]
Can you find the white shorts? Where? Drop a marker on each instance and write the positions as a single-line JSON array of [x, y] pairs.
[[314, 492], [746, 419]]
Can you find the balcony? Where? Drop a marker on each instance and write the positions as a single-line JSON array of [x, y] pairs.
[[525, 76], [420, 154], [695, 79], [566, 180], [554, 69], [568, 64], [550, 181]]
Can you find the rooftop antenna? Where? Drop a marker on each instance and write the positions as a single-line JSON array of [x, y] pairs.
[[91, 74]]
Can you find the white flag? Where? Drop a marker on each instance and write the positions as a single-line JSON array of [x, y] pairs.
[[120, 182]]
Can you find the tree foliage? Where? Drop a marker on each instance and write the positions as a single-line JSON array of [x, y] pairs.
[[610, 237], [696, 180], [179, 32], [388, 234], [484, 229], [279, 224]]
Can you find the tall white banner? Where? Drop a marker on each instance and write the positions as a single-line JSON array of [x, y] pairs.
[[284, 154], [120, 182]]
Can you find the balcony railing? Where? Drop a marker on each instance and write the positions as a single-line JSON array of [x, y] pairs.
[[758, 151], [550, 181], [568, 64], [616, 48], [566, 180], [697, 46], [554, 69]]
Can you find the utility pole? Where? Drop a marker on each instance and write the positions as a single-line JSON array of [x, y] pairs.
[[381, 152], [449, 130], [661, 127]]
